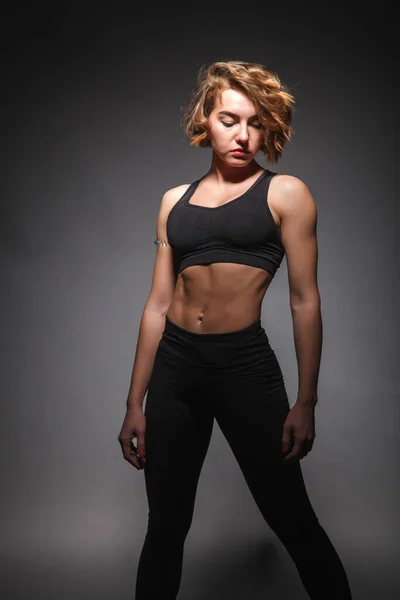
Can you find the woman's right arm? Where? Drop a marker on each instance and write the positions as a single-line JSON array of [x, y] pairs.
[[150, 332]]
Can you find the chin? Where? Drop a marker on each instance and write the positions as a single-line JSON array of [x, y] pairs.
[[232, 160]]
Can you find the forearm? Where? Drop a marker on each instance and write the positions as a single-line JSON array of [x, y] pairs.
[[308, 333], [150, 332]]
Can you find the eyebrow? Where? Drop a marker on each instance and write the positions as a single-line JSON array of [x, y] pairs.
[[231, 114]]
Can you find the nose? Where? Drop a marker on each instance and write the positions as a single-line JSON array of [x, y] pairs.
[[243, 134]]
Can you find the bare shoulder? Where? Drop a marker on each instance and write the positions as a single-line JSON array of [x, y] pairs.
[[168, 201], [172, 195], [290, 195]]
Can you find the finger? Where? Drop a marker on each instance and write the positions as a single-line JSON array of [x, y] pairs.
[[134, 456], [309, 445], [134, 459], [286, 437], [141, 446], [127, 446], [294, 454]]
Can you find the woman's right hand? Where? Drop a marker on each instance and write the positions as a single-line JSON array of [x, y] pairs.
[[134, 426]]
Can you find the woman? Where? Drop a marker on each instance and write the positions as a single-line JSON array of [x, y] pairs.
[[202, 352]]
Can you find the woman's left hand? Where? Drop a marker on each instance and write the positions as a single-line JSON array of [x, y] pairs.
[[299, 427]]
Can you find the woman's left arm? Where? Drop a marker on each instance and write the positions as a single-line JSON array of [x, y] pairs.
[[299, 237]]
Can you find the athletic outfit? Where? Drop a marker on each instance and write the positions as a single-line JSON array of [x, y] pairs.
[[240, 231], [234, 378]]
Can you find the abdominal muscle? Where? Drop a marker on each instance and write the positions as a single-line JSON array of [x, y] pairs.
[[218, 297]]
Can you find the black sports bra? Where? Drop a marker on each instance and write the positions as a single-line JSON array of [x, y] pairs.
[[240, 231]]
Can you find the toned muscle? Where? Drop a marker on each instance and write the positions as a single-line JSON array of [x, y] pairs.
[[218, 297]]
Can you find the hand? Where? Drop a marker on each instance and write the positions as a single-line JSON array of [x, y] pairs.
[[300, 423], [134, 426]]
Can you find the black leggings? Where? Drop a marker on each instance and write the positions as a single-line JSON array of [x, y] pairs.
[[235, 378]]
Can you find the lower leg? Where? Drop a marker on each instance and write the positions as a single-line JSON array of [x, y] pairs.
[[284, 503], [318, 564], [160, 564], [283, 500], [278, 488]]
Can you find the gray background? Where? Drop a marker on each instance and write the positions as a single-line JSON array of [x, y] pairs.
[[91, 108]]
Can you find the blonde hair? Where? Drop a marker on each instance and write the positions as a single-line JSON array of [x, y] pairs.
[[272, 99]]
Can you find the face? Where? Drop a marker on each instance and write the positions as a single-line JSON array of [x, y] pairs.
[[234, 124]]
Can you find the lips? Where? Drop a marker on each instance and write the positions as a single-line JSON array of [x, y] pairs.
[[240, 150]]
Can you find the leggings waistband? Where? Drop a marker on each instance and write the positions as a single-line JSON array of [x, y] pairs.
[[243, 347], [239, 335]]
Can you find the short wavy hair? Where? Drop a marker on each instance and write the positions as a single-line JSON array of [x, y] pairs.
[[271, 97]]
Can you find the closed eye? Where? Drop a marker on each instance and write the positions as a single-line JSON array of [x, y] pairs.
[[255, 125]]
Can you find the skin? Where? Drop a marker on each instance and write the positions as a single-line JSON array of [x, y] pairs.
[[222, 297]]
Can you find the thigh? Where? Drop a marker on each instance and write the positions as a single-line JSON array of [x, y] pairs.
[[251, 417], [178, 433]]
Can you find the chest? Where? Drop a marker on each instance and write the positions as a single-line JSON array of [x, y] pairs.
[[241, 223]]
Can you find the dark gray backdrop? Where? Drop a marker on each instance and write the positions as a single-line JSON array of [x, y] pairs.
[[91, 107]]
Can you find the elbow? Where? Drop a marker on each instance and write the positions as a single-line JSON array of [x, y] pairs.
[[310, 299], [160, 308]]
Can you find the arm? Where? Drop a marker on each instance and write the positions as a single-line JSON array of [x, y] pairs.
[[298, 228], [153, 319]]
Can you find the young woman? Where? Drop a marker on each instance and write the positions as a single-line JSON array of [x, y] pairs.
[[202, 353]]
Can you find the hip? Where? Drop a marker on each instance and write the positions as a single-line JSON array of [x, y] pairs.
[[240, 356]]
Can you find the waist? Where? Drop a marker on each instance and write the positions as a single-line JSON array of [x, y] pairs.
[[238, 335], [241, 346], [213, 320]]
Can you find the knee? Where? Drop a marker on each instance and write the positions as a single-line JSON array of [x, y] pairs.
[[166, 533], [302, 528]]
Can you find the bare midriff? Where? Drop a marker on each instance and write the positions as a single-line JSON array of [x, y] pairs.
[[218, 297]]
